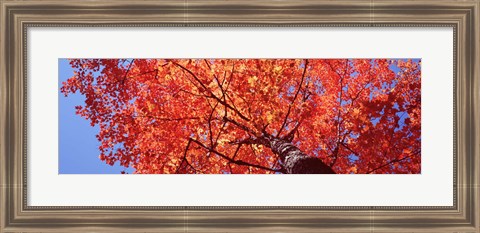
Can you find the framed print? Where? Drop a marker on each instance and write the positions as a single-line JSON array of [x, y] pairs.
[[240, 116]]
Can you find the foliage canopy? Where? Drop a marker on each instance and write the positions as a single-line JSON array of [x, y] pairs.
[[225, 115]]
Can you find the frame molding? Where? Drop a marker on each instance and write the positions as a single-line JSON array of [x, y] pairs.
[[17, 16]]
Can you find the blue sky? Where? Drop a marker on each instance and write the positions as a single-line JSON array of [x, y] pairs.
[[78, 146]]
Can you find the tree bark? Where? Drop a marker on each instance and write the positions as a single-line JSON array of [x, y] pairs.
[[295, 161]]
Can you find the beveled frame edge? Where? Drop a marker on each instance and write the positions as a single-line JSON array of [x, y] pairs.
[[15, 216]]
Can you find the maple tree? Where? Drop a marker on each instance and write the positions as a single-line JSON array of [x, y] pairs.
[[253, 115]]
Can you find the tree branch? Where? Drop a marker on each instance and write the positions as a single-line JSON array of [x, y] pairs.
[[388, 163], [294, 98], [185, 158], [238, 162], [210, 126], [211, 93], [126, 73], [243, 127], [168, 119]]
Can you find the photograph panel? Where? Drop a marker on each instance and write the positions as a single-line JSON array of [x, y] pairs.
[[240, 116]]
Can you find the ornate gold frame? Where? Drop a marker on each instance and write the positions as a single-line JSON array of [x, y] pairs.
[[17, 16]]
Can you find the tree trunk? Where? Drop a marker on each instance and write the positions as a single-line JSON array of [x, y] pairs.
[[295, 161]]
